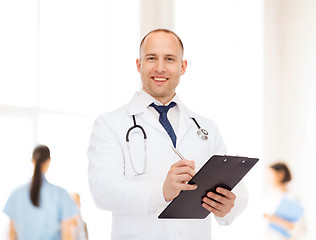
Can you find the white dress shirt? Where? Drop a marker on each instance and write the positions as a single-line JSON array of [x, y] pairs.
[[173, 113]]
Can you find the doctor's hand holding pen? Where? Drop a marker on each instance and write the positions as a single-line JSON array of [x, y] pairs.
[[180, 173]]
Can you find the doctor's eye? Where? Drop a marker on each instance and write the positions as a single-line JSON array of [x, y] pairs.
[[150, 58], [170, 59]]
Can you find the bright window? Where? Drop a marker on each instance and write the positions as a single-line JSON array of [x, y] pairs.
[[223, 43], [18, 52], [62, 65]]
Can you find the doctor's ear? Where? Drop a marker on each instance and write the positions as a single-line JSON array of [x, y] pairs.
[[184, 65], [138, 64]]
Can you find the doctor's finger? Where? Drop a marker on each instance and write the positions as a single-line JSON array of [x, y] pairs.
[[226, 193], [227, 198], [184, 170], [215, 211], [216, 198], [217, 208], [214, 204], [184, 162], [187, 187], [183, 178]]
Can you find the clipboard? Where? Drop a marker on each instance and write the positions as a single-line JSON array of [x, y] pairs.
[[218, 171], [289, 210]]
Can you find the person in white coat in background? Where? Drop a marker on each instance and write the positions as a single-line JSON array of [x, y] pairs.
[[135, 174]]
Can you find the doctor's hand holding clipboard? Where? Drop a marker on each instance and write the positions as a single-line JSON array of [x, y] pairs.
[[181, 173]]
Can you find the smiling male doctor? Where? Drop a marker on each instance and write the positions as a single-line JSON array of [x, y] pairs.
[[136, 179]]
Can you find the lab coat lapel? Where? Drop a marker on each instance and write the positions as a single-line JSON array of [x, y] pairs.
[[137, 107], [185, 122], [150, 119]]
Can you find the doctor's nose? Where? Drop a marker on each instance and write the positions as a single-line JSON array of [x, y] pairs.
[[160, 66]]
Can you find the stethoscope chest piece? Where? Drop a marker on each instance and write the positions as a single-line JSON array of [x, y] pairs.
[[203, 134]]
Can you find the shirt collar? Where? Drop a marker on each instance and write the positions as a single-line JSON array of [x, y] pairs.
[[141, 101], [147, 99], [44, 178]]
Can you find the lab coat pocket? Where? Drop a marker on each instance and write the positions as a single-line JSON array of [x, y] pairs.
[[137, 156]]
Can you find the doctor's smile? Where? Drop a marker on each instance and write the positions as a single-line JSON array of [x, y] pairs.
[[159, 79]]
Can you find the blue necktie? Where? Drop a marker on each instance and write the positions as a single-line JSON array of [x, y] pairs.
[[162, 110]]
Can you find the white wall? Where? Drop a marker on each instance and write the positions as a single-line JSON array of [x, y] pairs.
[[290, 87], [156, 14], [223, 43], [60, 66]]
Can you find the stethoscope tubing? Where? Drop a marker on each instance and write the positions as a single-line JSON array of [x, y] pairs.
[[202, 133], [133, 127]]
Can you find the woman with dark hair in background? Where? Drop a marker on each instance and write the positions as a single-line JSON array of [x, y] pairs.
[[286, 221], [40, 210]]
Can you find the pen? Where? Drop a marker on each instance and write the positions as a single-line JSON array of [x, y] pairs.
[[177, 152]]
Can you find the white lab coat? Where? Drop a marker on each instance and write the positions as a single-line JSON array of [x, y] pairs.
[[136, 201]]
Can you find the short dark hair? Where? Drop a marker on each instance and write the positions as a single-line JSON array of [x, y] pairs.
[[161, 30], [282, 167]]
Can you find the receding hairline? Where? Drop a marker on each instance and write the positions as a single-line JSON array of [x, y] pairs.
[[161, 30]]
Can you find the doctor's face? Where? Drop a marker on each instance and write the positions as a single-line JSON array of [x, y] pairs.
[[161, 65]]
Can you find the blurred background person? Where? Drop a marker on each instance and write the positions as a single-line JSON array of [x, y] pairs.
[[79, 227], [284, 213], [40, 210]]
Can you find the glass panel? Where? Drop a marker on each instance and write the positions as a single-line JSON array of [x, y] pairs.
[[18, 48], [16, 141], [225, 67], [72, 53], [86, 59], [68, 136], [223, 43], [124, 49]]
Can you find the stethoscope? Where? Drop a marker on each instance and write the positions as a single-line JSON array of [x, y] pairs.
[[202, 133]]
